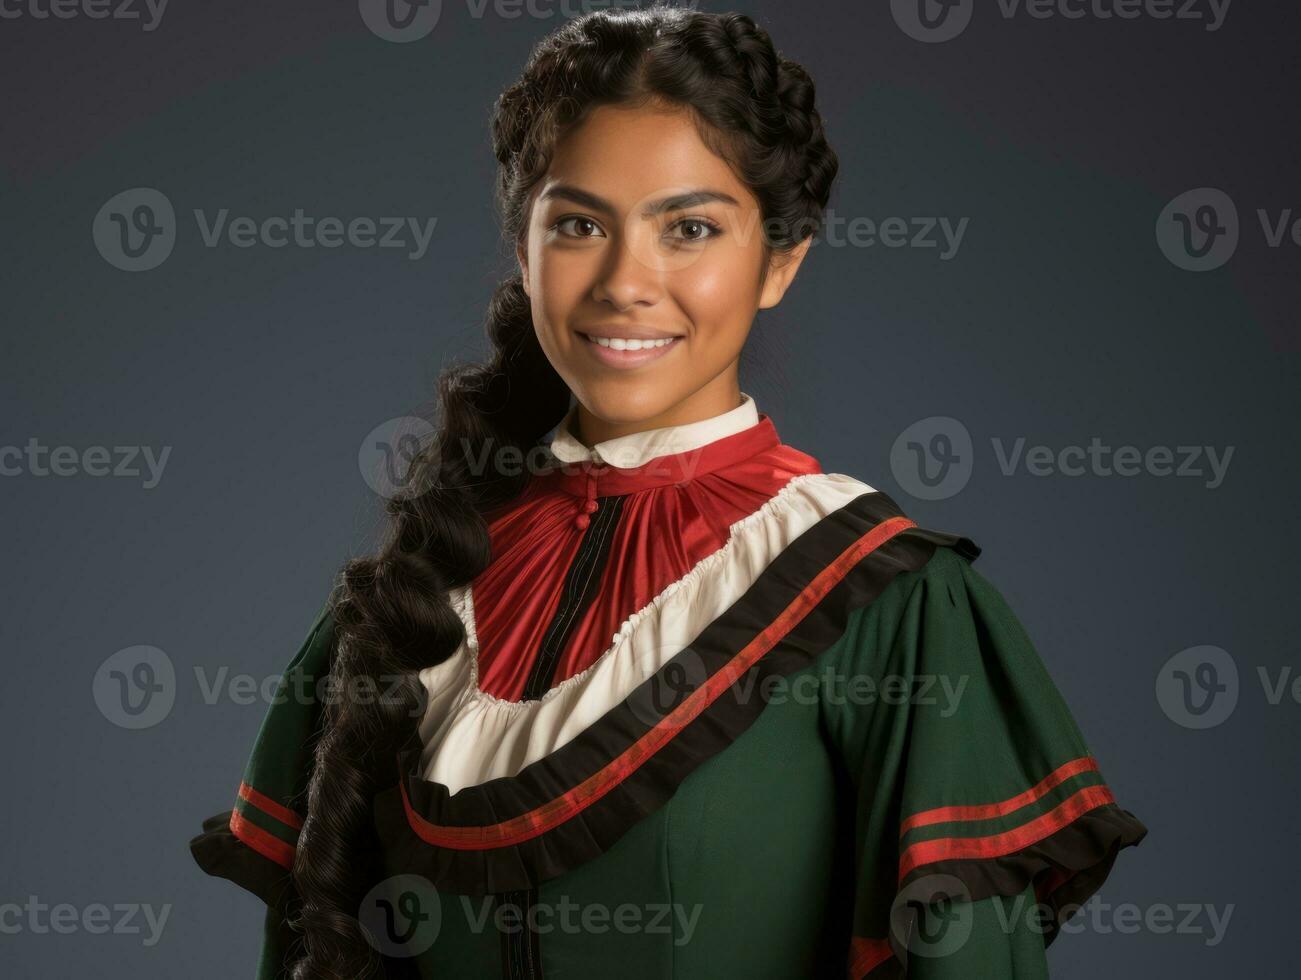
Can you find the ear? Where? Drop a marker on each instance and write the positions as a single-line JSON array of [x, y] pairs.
[[781, 273], [522, 257]]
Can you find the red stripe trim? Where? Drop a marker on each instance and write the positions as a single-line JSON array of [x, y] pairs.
[[269, 846], [996, 845], [865, 955], [270, 807], [565, 807], [947, 814]]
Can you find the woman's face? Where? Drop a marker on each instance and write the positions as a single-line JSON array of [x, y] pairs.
[[639, 231]]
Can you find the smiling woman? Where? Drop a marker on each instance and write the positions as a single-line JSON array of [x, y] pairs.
[[625, 268], [677, 703]]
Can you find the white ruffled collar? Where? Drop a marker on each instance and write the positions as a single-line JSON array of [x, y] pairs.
[[638, 448]]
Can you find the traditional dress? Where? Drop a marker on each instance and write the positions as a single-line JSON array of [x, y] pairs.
[[717, 713]]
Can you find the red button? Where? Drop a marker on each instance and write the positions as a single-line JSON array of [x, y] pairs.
[[581, 521], [590, 506]]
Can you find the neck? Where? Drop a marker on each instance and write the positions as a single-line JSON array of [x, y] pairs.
[[712, 400]]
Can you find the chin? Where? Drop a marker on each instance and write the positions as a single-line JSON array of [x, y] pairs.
[[626, 399]]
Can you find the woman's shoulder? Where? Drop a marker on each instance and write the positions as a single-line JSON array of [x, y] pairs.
[[871, 520]]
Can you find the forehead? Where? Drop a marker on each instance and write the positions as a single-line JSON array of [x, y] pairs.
[[627, 155]]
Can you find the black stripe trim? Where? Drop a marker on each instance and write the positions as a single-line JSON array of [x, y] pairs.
[[590, 832]]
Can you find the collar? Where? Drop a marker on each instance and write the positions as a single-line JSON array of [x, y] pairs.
[[637, 448], [672, 454]]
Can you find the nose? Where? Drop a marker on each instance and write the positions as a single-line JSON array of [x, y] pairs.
[[626, 278]]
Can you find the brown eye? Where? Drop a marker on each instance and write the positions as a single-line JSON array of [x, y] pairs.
[[696, 230], [585, 227]]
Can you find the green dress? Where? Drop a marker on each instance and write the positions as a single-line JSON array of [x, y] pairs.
[[859, 768]]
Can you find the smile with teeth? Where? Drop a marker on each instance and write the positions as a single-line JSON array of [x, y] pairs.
[[619, 343]]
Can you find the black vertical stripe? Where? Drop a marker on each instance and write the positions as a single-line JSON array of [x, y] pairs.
[[520, 955], [582, 582]]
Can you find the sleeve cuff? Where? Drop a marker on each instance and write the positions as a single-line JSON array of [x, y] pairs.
[[220, 853]]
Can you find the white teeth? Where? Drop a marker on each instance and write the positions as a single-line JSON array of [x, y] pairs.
[[618, 343]]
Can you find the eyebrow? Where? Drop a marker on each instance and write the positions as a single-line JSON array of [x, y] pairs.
[[677, 202]]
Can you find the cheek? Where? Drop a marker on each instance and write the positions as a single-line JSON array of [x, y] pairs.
[[720, 299], [563, 279]]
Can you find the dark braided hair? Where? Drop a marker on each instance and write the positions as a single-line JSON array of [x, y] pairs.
[[391, 612]]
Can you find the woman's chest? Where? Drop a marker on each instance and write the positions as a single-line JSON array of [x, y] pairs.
[[739, 871]]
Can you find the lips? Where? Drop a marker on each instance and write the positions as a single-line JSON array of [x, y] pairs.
[[629, 351]]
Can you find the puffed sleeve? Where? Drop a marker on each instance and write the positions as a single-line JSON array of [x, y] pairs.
[[252, 844], [981, 818]]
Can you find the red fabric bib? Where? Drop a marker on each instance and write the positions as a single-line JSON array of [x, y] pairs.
[[681, 508]]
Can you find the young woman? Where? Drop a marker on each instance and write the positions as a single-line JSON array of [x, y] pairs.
[[658, 698]]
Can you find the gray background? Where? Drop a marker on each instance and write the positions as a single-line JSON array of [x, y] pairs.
[[1059, 320]]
